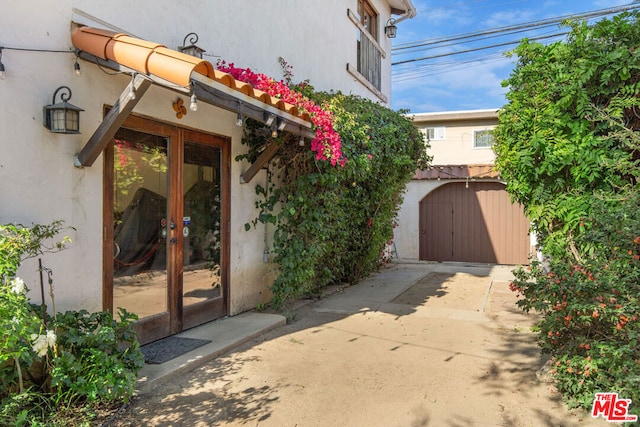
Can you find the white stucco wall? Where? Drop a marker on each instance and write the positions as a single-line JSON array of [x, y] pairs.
[[38, 182], [457, 147], [315, 37]]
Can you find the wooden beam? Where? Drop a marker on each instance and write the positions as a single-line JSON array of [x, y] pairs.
[[112, 122], [264, 158]]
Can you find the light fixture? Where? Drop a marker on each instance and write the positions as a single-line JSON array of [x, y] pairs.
[[390, 29], [274, 132], [268, 119], [132, 87], [194, 102], [191, 49], [239, 120], [281, 124], [301, 142], [3, 73], [62, 117], [76, 67]]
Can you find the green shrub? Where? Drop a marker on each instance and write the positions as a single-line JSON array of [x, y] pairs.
[[334, 223], [591, 307], [98, 357], [53, 364], [570, 127], [567, 145]]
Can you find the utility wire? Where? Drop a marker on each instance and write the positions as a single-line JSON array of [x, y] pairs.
[[454, 43], [444, 71], [445, 67], [433, 69], [24, 49], [507, 29], [459, 52]]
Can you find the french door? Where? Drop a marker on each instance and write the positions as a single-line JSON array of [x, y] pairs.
[[166, 210]]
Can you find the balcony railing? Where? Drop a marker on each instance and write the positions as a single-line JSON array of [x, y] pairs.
[[369, 60], [368, 69]]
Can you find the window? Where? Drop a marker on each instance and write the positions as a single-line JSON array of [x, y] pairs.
[[369, 55], [368, 18], [434, 133], [483, 138]]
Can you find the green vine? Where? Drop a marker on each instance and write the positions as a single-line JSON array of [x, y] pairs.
[[334, 223]]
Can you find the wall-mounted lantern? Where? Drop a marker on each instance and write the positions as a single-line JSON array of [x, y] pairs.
[[390, 29], [62, 117], [191, 49]]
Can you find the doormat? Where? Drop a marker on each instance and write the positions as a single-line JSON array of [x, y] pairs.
[[162, 351]]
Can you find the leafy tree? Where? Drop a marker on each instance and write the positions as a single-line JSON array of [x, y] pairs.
[[568, 147], [568, 128]]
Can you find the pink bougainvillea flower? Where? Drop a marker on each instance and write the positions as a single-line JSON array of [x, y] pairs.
[[326, 143]]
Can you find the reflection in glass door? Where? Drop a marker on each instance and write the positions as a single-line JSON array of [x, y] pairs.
[[166, 227], [201, 223], [139, 223]]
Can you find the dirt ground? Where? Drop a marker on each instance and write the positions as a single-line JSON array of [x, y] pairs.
[[451, 350]]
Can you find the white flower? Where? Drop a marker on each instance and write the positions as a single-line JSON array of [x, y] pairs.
[[51, 339], [41, 343], [17, 285]]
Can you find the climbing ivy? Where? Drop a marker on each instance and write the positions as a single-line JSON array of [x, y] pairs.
[[334, 222]]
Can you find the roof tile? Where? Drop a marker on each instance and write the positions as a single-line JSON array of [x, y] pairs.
[[155, 59], [457, 172]]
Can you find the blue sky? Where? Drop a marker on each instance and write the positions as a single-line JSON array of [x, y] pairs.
[[468, 81]]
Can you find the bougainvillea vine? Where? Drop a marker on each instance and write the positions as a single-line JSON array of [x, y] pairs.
[[326, 144]]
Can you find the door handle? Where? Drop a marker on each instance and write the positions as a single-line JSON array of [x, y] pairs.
[[423, 232], [173, 240]]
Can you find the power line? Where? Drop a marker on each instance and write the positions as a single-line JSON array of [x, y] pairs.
[[427, 70], [512, 28], [459, 52], [453, 43], [433, 69]]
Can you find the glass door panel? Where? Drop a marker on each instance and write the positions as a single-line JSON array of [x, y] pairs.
[[139, 222], [201, 224]]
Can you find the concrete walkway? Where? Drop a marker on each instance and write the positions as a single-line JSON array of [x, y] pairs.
[[418, 344], [224, 334]]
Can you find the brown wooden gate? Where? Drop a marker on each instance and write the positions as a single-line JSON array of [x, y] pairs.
[[474, 222]]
